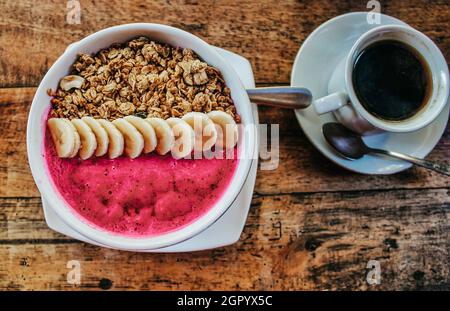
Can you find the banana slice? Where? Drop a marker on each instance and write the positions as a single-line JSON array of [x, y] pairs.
[[134, 142], [227, 129], [115, 137], [77, 139], [88, 141], [63, 136], [163, 133], [100, 135], [184, 138], [146, 130], [204, 129]]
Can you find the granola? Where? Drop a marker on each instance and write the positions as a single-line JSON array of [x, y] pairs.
[[142, 78]]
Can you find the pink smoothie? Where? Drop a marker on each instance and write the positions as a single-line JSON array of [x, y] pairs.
[[147, 196]]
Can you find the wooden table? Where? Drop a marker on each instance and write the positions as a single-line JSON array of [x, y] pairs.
[[312, 224]]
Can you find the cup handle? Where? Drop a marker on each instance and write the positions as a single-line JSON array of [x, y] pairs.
[[330, 102]]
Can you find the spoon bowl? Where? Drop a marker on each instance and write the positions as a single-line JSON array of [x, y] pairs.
[[349, 144]]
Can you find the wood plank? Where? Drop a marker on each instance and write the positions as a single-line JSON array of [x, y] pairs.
[[15, 174], [268, 33], [301, 167], [296, 241]]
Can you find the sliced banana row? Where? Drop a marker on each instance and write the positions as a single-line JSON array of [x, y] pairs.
[[133, 136]]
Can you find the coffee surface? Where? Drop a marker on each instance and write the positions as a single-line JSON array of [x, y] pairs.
[[391, 80]]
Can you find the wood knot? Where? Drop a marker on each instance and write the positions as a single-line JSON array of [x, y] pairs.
[[105, 284], [312, 244]]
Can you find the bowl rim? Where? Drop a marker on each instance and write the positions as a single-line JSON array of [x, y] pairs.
[[47, 189]]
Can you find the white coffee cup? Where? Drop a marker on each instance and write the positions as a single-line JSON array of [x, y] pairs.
[[348, 110]]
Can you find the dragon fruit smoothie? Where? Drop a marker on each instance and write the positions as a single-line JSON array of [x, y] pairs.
[[120, 126], [141, 197]]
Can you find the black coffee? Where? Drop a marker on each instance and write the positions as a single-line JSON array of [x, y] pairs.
[[391, 80]]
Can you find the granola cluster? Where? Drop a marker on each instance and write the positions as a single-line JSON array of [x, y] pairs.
[[143, 78]]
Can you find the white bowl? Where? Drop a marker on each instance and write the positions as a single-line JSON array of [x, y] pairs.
[[92, 44]]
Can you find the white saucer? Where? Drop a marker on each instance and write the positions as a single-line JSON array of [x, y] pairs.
[[318, 57], [228, 228]]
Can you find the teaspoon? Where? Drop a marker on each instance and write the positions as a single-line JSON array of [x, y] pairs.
[[289, 97], [350, 145]]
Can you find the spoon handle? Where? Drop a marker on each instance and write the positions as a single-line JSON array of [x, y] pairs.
[[281, 97], [438, 167]]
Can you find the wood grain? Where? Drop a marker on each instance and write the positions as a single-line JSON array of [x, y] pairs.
[[301, 167], [15, 175], [312, 225], [295, 241], [268, 33]]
